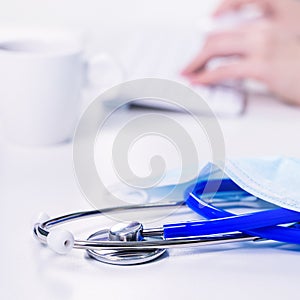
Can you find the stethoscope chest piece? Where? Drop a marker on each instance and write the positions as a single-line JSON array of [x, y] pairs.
[[123, 232]]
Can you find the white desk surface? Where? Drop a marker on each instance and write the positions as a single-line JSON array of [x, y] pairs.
[[34, 180]]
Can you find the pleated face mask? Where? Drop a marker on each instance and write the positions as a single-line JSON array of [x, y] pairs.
[[273, 179]]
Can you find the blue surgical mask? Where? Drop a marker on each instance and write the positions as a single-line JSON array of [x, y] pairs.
[[273, 179]]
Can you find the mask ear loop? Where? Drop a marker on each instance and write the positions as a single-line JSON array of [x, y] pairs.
[[277, 233]]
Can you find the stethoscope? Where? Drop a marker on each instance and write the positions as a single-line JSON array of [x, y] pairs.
[[130, 243]]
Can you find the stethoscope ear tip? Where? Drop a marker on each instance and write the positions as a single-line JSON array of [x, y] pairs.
[[60, 241], [40, 218]]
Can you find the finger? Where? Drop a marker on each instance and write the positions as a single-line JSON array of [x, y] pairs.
[[238, 70], [223, 44], [231, 5]]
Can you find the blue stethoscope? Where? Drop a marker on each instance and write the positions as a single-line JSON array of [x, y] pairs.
[[130, 243]]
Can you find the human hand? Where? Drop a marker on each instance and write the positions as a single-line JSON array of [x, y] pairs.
[[263, 51], [285, 13]]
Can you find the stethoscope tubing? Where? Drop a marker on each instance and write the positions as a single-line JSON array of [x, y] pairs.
[[232, 223], [275, 232]]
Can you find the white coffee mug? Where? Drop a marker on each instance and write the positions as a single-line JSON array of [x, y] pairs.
[[41, 77]]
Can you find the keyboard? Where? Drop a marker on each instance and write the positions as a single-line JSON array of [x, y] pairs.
[[163, 54]]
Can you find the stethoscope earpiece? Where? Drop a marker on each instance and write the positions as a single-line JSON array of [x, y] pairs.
[[42, 217], [60, 241]]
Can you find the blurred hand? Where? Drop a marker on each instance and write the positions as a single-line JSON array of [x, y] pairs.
[[264, 51], [285, 13]]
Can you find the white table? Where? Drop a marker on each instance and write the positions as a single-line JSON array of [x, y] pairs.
[[34, 180]]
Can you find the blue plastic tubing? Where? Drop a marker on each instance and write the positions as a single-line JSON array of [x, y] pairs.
[[261, 224]]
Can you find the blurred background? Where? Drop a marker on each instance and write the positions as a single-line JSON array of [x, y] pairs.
[[102, 18], [106, 24]]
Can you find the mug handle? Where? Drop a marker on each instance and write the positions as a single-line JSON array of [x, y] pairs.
[[103, 71]]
